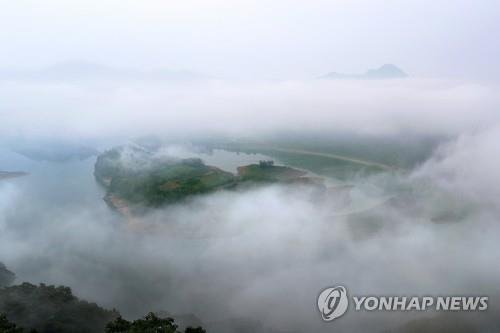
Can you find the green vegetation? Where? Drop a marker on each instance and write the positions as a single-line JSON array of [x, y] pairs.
[[340, 155], [322, 165], [168, 183], [135, 178], [320, 162], [151, 323], [266, 171], [7, 327], [6, 276], [50, 309]]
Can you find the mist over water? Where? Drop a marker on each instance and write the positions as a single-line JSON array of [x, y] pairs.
[[263, 253]]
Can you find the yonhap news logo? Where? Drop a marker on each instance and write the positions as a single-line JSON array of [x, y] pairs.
[[333, 302]]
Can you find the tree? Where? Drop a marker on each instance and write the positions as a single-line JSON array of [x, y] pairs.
[[7, 327], [52, 309], [119, 325], [6, 276], [151, 323], [195, 330]]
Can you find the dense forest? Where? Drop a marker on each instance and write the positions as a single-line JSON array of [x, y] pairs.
[[49, 309]]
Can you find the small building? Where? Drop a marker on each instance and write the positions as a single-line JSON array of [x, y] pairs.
[[266, 164]]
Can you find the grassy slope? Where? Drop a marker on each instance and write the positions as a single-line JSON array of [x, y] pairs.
[[158, 182], [168, 183]]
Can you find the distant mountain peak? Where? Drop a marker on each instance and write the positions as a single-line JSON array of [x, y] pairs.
[[386, 71]]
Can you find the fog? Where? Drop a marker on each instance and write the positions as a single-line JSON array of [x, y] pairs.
[[279, 39], [262, 253], [78, 78], [123, 108]]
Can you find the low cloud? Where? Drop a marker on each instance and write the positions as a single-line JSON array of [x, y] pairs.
[[265, 253], [112, 108]]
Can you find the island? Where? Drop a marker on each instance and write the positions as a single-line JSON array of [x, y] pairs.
[[136, 179]]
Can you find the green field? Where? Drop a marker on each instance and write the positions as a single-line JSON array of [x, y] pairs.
[[136, 178]]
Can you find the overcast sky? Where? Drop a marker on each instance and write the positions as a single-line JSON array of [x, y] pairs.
[[269, 39]]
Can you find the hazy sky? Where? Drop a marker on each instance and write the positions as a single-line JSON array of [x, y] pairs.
[[256, 39]]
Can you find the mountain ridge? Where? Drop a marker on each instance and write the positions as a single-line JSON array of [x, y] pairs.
[[386, 71]]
